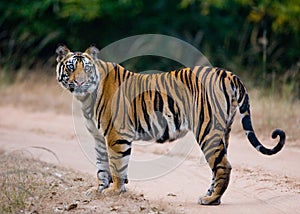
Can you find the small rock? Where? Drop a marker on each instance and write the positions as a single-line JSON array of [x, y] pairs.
[[115, 208], [86, 201], [59, 175], [70, 207], [78, 179], [58, 209], [142, 208]]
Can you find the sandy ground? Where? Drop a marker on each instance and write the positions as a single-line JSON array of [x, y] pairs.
[[259, 184]]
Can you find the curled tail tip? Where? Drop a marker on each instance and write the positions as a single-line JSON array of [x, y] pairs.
[[277, 148], [281, 134]]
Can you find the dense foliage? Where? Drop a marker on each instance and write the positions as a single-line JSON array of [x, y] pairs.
[[258, 36]]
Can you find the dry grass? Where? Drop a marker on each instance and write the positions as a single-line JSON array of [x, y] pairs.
[[32, 186], [20, 185], [271, 112], [36, 93]]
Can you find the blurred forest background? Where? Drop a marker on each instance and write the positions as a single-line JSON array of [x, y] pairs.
[[257, 39]]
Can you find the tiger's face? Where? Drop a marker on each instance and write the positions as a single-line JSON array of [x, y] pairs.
[[77, 71]]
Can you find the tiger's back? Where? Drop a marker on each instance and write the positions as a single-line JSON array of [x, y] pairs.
[[165, 106]]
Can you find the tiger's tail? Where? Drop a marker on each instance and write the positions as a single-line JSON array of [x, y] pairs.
[[244, 108]]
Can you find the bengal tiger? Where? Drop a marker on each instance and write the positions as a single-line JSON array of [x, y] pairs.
[[122, 106]]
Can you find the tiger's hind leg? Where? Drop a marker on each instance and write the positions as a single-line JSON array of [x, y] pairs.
[[214, 150], [226, 140], [227, 135]]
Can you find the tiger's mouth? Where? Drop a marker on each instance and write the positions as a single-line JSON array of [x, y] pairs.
[[78, 89]]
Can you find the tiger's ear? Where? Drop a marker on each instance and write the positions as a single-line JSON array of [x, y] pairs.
[[61, 52], [93, 52]]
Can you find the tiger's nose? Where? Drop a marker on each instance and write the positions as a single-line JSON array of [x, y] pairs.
[[79, 79], [79, 82]]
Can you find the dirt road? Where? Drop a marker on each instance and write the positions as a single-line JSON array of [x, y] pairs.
[[259, 184]]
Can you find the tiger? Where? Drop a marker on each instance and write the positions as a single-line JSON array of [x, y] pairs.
[[120, 106]]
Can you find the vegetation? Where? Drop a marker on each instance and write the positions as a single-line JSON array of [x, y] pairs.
[[31, 186], [260, 39]]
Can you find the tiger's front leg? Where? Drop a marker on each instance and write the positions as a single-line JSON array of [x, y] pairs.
[[118, 153], [103, 171]]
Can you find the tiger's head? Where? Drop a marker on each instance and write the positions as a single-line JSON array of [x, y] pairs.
[[77, 71]]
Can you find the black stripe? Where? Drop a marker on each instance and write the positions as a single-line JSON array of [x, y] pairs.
[[171, 104], [228, 101], [61, 69], [121, 142], [99, 115], [220, 156], [201, 116], [245, 106], [215, 100], [125, 74], [208, 127], [177, 119], [118, 70], [206, 131], [181, 76], [135, 111], [158, 102], [125, 153], [145, 113], [165, 135], [99, 102], [107, 128], [241, 89], [146, 84], [188, 80], [176, 73], [102, 66]]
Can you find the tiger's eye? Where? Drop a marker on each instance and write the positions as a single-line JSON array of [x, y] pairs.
[[70, 67], [87, 68]]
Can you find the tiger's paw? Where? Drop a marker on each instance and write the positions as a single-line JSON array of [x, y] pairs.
[[102, 187], [92, 192], [209, 200], [112, 191]]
